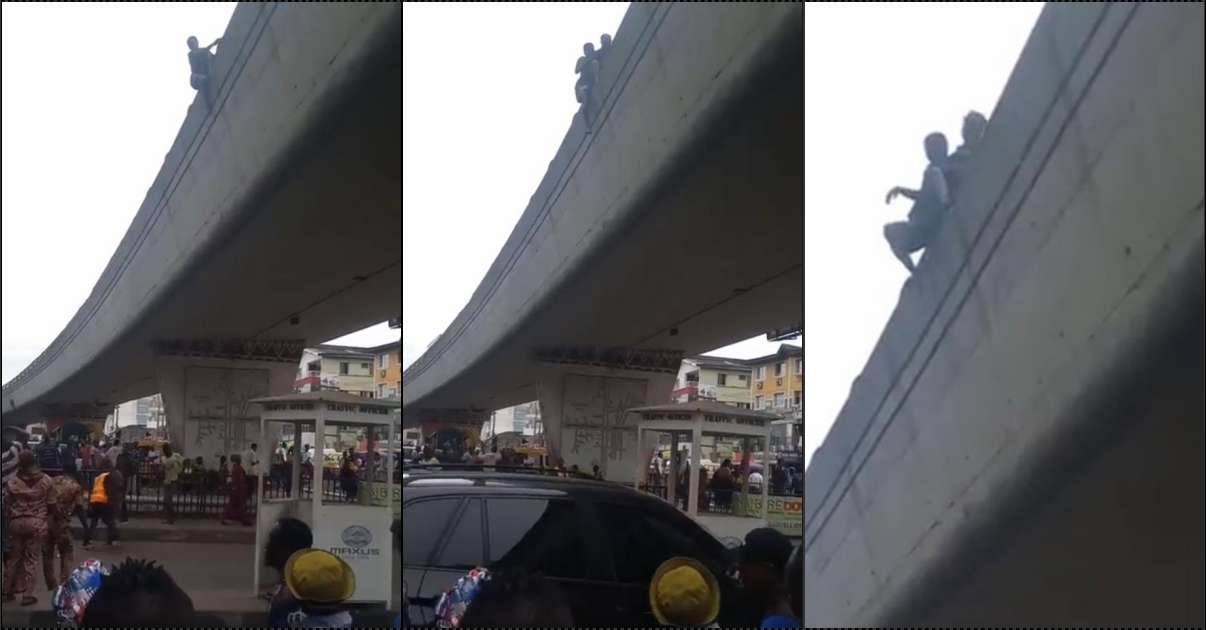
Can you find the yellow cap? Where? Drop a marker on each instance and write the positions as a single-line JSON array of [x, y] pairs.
[[684, 592], [317, 575]]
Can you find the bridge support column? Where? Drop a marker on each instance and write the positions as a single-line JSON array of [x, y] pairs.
[[207, 389], [584, 398]]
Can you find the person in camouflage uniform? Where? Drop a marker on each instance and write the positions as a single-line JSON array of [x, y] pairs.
[[68, 500]]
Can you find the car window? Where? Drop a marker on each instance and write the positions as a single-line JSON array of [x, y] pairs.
[[537, 534], [425, 522], [464, 549], [641, 540]]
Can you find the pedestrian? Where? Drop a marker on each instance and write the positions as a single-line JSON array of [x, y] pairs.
[[200, 63], [223, 469], [428, 456], [28, 504], [684, 592], [278, 466], [173, 464], [67, 493], [598, 474], [287, 473], [115, 448], [86, 454], [138, 594], [929, 205], [287, 537], [124, 470], [320, 582], [251, 468], [763, 568], [49, 456], [236, 503], [101, 504], [347, 477]]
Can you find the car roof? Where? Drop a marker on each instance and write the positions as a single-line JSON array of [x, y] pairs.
[[477, 479]]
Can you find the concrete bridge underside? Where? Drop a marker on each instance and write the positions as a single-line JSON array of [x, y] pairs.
[[1025, 444]]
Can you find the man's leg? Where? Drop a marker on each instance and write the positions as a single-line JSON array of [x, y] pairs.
[[89, 527], [48, 564], [169, 495], [109, 514], [897, 235]]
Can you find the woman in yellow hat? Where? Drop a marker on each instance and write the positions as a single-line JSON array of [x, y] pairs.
[[684, 592], [321, 582]]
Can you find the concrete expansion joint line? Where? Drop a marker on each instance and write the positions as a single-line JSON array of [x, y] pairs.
[[831, 507]]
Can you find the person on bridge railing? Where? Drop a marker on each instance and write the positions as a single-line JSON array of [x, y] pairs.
[[959, 162], [199, 61], [929, 205]]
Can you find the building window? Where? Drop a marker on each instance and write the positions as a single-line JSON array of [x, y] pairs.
[[779, 400], [761, 372], [743, 378], [722, 379], [799, 366], [779, 369], [743, 405], [366, 366], [757, 402], [797, 398], [384, 361], [343, 368]]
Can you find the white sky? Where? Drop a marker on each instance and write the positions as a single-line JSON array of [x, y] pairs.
[[488, 94], [93, 95], [877, 78]]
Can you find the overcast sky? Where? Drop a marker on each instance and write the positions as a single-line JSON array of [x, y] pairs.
[[877, 78], [488, 94], [93, 95]]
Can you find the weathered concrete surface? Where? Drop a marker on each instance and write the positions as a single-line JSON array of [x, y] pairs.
[[1030, 384], [300, 155], [626, 242]]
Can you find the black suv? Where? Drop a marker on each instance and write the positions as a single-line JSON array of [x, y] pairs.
[[601, 542]]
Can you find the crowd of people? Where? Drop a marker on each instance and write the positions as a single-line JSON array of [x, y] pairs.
[[37, 511], [682, 592]]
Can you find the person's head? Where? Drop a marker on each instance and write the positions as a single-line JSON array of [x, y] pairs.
[[574, 468], [255, 447], [236, 459], [192, 43], [516, 598], [167, 450], [588, 49], [290, 450], [200, 460], [935, 147], [974, 126], [287, 537], [222, 459], [318, 579], [26, 462], [308, 448], [605, 41], [683, 592], [138, 594], [763, 562], [727, 463]]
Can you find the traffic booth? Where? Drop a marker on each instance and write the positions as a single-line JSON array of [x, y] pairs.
[[688, 423], [355, 527]]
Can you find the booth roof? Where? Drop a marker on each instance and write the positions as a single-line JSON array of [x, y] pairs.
[[343, 398], [707, 407]]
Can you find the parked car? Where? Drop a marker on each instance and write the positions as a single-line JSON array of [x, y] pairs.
[[600, 542]]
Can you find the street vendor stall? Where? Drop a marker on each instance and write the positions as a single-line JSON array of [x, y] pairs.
[[356, 528], [687, 424]]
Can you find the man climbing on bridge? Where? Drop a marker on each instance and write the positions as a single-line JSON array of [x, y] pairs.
[[199, 61], [929, 205]]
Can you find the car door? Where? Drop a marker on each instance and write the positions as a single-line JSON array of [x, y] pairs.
[[639, 539], [441, 542], [547, 536]]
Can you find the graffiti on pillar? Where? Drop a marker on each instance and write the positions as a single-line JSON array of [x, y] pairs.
[[597, 427], [221, 418]]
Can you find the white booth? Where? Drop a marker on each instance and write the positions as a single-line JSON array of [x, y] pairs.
[[688, 423], [352, 525]]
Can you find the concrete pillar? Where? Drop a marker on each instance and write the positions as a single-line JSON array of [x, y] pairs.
[[584, 413], [207, 405]]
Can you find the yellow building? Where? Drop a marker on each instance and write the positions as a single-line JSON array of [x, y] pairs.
[[387, 370], [343, 368], [777, 385]]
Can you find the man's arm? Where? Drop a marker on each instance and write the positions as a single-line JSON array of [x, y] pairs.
[[908, 193], [216, 42]]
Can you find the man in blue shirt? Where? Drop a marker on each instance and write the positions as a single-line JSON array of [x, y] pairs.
[[763, 571], [930, 204]]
